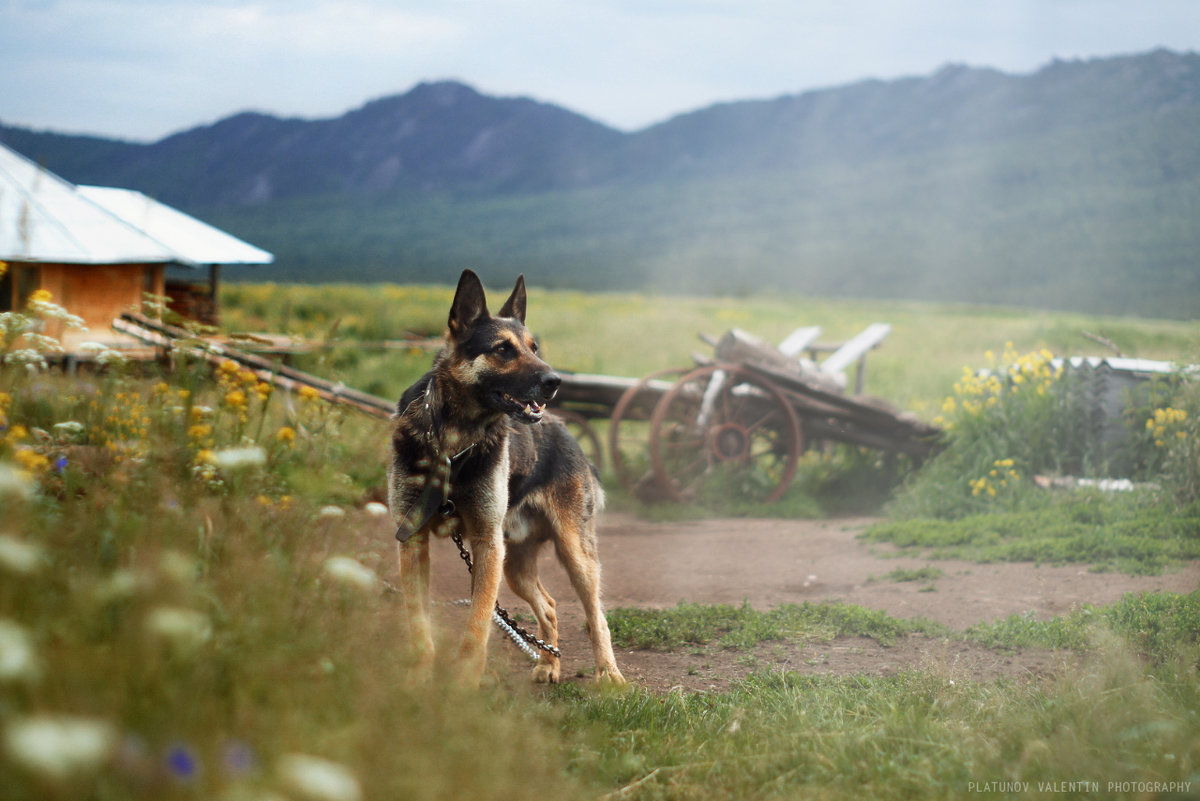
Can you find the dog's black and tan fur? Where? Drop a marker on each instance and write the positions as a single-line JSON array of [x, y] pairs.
[[516, 480]]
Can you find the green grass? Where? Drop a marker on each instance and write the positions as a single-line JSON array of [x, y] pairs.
[[1154, 625], [742, 627], [1137, 535], [918, 734], [927, 573]]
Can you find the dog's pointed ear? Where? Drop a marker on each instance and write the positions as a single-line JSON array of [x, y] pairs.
[[469, 306], [515, 305]]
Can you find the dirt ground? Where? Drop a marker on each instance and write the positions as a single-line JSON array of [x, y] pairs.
[[773, 562]]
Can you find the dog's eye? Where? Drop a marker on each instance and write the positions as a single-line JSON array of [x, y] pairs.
[[533, 347], [505, 349]]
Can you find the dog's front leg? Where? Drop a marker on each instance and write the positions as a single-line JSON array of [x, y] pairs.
[[414, 592], [487, 553]]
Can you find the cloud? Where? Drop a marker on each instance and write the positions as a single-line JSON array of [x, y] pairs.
[[147, 67]]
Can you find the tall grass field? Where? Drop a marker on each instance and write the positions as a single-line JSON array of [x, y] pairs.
[[188, 609]]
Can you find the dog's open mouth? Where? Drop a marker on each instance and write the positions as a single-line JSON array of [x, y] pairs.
[[527, 411]]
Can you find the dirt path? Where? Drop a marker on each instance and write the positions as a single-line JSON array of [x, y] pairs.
[[772, 562]]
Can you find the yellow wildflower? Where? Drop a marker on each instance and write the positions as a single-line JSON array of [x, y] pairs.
[[286, 434], [309, 394], [199, 432], [235, 398], [31, 461], [41, 296]]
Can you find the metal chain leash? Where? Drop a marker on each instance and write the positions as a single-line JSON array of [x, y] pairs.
[[501, 612]]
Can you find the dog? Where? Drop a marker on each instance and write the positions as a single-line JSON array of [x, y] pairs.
[[475, 452]]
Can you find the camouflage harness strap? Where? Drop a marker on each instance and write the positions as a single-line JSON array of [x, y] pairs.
[[435, 497]]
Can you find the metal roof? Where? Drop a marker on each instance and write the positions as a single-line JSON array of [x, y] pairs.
[[44, 218], [193, 241]]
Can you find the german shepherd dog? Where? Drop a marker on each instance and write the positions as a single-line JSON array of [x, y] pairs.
[[473, 448]]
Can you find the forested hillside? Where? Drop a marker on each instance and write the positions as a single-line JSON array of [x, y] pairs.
[[1076, 187]]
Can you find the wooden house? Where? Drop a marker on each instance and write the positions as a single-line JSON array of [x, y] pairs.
[[97, 250]]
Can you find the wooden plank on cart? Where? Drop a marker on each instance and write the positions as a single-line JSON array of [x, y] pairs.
[[796, 342], [855, 350]]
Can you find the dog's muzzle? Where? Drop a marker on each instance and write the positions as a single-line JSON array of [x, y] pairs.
[[530, 409]]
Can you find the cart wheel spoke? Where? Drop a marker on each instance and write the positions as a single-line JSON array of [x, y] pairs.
[[629, 432], [724, 429]]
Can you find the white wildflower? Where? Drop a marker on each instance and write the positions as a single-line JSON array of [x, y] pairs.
[[332, 511], [317, 779], [43, 343], [177, 566], [60, 747], [351, 573], [16, 483], [52, 311], [122, 584], [26, 357], [18, 556], [376, 509], [13, 324], [18, 657], [233, 459], [185, 630], [103, 354], [69, 429]]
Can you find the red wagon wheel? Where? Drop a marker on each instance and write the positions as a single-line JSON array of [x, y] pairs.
[[584, 434], [726, 431], [629, 433]]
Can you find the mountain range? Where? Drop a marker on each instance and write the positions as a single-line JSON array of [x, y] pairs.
[[1076, 186]]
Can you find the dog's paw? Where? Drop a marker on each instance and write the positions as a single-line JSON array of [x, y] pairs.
[[546, 673], [610, 676]]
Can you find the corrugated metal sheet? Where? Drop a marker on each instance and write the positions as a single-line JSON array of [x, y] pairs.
[[44, 218], [191, 239]]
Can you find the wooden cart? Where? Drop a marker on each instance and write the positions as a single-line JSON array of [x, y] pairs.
[[739, 422]]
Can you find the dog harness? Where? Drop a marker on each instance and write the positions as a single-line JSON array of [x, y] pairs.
[[435, 497]]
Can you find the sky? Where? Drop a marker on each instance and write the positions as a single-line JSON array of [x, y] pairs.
[[143, 69]]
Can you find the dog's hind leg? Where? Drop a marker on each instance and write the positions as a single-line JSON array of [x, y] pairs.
[[521, 572], [577, 551], [414, 592]]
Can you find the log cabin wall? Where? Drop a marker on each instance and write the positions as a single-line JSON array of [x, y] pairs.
[[98, 293]]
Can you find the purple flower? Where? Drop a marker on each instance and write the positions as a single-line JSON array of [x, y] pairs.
[[239, 758], [182, 763]]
